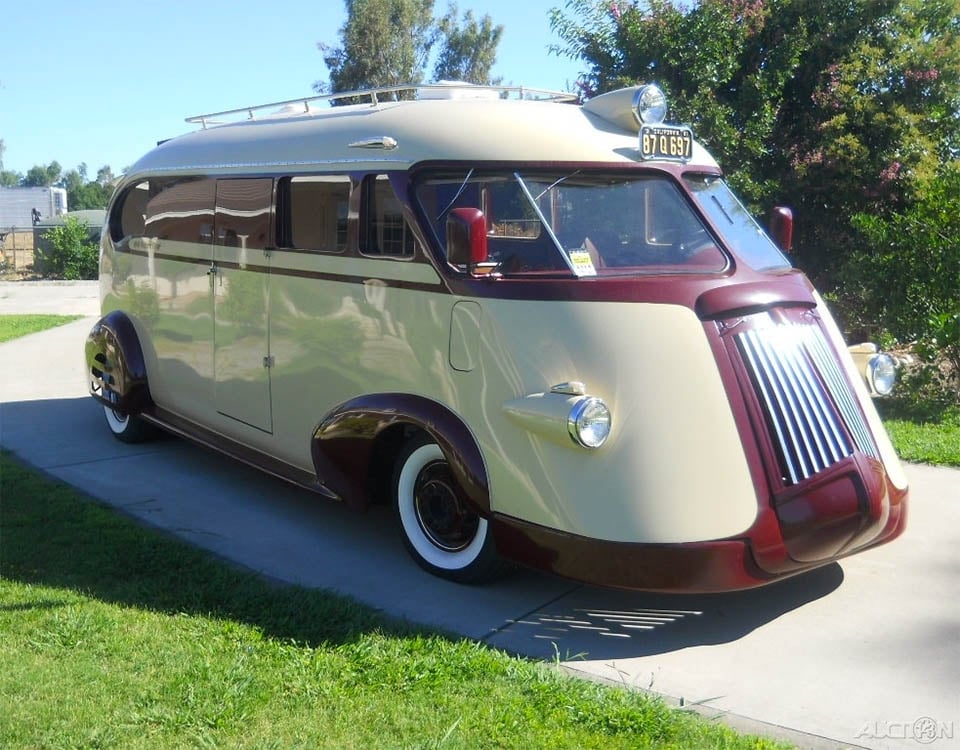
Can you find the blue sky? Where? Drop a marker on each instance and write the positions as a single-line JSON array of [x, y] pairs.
[[101, 81]]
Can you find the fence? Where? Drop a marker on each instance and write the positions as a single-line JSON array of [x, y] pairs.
[[16, 246]]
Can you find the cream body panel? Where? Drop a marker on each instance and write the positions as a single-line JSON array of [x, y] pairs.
[[470, 130], [169, 299], [332, 340], [241, 351], [673, 468]]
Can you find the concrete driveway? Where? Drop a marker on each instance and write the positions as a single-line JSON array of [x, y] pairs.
[[861, 654]]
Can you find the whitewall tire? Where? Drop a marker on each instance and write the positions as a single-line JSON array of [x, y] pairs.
[[441, 531], [127, 428]]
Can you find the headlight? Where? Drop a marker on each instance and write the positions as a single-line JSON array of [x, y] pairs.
[[650, 105], [589, 422], [882, 373]]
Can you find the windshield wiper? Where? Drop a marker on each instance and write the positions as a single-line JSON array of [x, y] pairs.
[[463, 186]]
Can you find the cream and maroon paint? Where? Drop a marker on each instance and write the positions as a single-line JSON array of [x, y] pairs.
[[315, 365]]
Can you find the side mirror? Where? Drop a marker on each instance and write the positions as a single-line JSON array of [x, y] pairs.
[[466, 237], [781, 227]]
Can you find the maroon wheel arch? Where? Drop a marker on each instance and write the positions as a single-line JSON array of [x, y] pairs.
[[344, 442], [115, 362]]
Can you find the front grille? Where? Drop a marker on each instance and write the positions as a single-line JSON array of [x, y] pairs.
[[813, 416]]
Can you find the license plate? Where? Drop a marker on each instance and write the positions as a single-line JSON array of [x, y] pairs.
[[666, 143]]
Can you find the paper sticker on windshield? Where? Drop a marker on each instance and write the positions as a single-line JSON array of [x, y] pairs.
[[582, 263]]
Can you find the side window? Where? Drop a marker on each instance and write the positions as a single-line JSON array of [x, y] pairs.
[[129, 213], [243, 213], [313, 213], [180, 210], [385, 231]]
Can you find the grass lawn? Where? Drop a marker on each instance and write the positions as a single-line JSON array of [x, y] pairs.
[[14, 326], [925, 442], [117, 635]]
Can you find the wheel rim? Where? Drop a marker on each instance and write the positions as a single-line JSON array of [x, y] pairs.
[[442, 516], [424, 489]]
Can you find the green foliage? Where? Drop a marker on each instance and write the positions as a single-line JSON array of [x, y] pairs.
[[71, 255], [384, 43], [83, 194], [468, 50], [389, 42], [39, 176], [839, 110], [832, 108], [907, 272]]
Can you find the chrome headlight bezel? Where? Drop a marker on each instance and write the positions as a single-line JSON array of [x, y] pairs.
[[650, 105], [882, 373], [590, 422]]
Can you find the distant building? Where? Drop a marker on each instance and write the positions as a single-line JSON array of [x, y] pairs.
[[19, 207]]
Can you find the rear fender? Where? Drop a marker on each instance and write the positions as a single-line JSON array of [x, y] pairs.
[[115, 365]]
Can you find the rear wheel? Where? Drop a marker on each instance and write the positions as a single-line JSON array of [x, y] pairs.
[[127, 428], [441, 530]]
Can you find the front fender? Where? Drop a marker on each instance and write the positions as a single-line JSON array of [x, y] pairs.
[[343, 444], [115, 364]]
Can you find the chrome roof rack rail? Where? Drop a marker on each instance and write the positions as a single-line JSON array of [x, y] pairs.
[[374, 96]]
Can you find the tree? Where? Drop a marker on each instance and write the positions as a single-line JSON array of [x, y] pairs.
[[39, 176], [907, 272], [833, 108], [384, 43], [72, 255], [89, 195], [389, 43], [469, 50], [105, 176], [846, 111], [82, 194]]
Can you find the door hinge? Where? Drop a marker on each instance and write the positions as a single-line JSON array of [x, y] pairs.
[[268, 361]]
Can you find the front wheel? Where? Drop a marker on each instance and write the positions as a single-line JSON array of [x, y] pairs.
[[441, 531], [127, 428]]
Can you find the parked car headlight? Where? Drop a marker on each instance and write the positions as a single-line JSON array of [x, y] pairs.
[[882, 373], [589, 422]]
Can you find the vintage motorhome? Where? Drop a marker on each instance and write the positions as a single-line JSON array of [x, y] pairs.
[[548, 333]]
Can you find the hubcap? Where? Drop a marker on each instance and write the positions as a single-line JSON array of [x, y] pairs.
[[444, 518]]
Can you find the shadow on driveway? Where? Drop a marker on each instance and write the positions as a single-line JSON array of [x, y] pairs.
[[290, 535]]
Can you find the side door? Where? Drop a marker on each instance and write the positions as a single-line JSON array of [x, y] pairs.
[[243, 225]]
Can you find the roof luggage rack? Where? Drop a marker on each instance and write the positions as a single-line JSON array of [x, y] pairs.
[[453, 89]]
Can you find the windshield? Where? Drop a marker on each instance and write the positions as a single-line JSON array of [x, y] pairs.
[[737, 227], [581, 222]]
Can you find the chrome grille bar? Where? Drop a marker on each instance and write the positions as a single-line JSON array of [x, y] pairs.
[[806, 399], [852, 414]]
